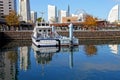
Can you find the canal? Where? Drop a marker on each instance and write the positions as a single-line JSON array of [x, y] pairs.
[[91, 60]]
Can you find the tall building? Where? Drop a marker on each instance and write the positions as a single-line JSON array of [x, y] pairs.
[[68, 11], [61, 14], [6, 6], [52, 13], [114, 14], [24, 10], [33, 16]]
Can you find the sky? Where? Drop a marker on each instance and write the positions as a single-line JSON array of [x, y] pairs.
[[97, 8]]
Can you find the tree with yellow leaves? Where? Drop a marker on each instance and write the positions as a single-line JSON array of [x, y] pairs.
[[90, 50], [12, 19], [90, 22]]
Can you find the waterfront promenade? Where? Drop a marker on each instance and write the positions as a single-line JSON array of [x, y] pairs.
[[82, 35]]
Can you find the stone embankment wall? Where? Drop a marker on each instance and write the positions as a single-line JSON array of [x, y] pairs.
[[82, 35], [92, 35], [17, 35]]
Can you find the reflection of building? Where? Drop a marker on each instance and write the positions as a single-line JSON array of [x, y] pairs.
[[114, 14], [24, 10], [7, 68], [114, 49], [24, 58]]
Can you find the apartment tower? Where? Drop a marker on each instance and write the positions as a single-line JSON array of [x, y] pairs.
[[24, 10], [61, 14], [6, 6], [33, 16], [52, 13]]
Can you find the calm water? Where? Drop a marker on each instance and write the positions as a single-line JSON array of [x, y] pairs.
[[89, 61]]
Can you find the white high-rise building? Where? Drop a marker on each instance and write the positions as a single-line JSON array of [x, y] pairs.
[[61, 14], [33, 16], [52, 14], [114, 14], [6, 6], [24, 10]]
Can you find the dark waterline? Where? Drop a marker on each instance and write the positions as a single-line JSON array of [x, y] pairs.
[[91, 60]]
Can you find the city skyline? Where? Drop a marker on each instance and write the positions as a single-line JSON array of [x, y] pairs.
[[98, 9]]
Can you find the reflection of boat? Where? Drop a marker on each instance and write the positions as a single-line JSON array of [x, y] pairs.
[[44, 55], [45, 35], [46, 49], [70, 49]]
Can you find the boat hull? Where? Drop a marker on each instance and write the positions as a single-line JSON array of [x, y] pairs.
[[46, 42]]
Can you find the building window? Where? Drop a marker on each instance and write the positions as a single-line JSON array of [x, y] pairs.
[[1, 7], [1, 4], [10, 8], [9, 4], [1, 1]]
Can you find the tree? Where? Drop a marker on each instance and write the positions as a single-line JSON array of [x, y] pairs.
[[90, 21], [90, 50], [40, 19], [12, 19]]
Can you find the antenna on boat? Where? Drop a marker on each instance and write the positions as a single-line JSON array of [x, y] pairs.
[[42, 13]]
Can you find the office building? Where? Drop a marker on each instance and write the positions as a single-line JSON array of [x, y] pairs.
[[6, 6], [61, 14], [24, 10], [68, 11], [52, 14], [33, 16]]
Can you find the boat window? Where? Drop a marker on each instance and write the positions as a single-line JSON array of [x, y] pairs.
[[44, 30], [48, 30], [39, 30], [38, 24]]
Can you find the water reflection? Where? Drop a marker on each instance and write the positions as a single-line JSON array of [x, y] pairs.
[[24, 57], [8, 67], [18, 61], [114, 48], [90, 50], [44, 55]]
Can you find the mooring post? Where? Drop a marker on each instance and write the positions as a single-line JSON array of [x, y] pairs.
[[71, 33]]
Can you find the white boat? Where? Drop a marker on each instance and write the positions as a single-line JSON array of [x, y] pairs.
[[46, 36]]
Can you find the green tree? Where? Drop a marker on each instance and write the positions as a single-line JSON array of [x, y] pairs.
[[12, 20], [40, 19]]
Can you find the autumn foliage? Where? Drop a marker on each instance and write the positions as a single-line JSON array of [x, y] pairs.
[[90, 21], [90, 50], [12, 19]]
